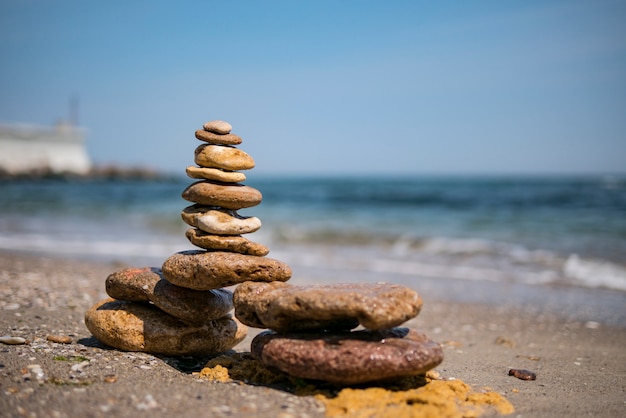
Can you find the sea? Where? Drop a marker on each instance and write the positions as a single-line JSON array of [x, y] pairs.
[[541, 243]]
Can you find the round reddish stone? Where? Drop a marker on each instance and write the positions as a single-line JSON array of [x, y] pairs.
[[347, 358]]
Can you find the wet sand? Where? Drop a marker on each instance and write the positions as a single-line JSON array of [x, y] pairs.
[[577, 353]]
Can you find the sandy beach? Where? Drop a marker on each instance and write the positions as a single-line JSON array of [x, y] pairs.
[[580, 363]]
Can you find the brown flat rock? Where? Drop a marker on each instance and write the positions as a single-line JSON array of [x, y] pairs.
[[218, 126], [147, 284], [283, 307], [347, 358], [137, 326], [219, 221], [204, 270], [223, 157], [215, 174], [226, 195], [218, 139], [230, 243]]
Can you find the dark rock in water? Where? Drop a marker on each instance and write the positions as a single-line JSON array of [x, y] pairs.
[[348, 358]]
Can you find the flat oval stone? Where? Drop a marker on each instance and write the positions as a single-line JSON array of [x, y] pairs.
[[11, 340], [348, 358], [215, 174], [283, 307], [218, 126], [230, 243], [223, 156], [229, 196], [218, 139], [147, 284], [138, 326], [204, 270], [219, 221]]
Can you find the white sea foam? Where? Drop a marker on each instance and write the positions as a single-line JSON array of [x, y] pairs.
[[453, 258], [423, 264], [80, 246], [443, 245], [593, 273], [465, 259]]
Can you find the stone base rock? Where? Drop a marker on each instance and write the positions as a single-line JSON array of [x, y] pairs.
[[136, 326], [347, 358], [285, 308]]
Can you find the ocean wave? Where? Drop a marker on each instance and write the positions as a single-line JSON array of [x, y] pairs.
[[436, 257], [595, 273], [463, 259], [148, 250]]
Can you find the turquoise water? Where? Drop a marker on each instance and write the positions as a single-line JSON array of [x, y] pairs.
[[532, 230]]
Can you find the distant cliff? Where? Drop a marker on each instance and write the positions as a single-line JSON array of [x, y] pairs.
[[29, 150]]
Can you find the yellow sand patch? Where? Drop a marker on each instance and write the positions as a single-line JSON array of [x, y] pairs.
[[437, 398], [411, 397]]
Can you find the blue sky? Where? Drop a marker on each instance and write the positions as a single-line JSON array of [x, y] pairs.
[[350, 87]]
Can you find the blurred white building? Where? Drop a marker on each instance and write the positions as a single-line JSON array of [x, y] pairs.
[[31, 149]]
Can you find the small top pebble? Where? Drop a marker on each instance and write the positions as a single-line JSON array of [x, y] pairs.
[[218, 126]]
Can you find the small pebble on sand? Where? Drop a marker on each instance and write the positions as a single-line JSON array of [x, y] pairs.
[[8, 339], [523, 374], [60, 339]]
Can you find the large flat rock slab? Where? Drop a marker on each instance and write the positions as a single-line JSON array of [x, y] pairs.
[[137, 326], [348, 358], [205, 270], [283, 307]]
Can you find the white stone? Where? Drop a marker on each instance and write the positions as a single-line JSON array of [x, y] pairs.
[[218, 126], [8, 339]]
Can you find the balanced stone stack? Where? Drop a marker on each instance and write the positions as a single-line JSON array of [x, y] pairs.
[[182, 308]]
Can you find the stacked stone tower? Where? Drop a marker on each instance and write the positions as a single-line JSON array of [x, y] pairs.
[[182, 308], [311, 327]]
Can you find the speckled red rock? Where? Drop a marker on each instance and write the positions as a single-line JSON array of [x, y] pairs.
[[283, 307], [138, 326], [226, 195], [347, 358], [147, 284], [204, 270]]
